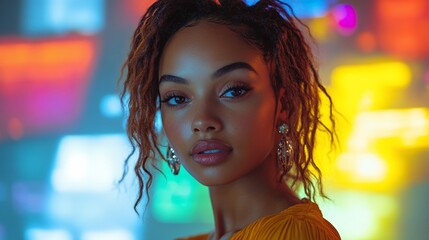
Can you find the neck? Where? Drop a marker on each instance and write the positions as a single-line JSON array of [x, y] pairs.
[[258, 194]]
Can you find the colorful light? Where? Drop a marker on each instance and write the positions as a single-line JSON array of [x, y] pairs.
[[384, 74], [180, 199], [410, 128], [403, 27], [345, 18], [62, 16], [366, 41], [110, 106], [79, 157], [43, 82], [362, 215], [363, 167], [304, 8], [112, 234], [47, 234]]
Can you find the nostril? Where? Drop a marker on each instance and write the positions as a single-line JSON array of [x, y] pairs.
[[205, 129]]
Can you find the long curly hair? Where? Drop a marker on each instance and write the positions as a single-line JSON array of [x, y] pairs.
[[271, 26]]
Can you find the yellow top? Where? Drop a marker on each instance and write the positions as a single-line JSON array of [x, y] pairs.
[[301, 221]]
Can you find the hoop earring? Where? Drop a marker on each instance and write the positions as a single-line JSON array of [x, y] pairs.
[[284, 150], [173, 161]]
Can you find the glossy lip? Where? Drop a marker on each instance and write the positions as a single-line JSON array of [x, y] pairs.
[[200, 155]]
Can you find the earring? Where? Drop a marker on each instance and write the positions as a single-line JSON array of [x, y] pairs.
[[173, 161], [284, 150]]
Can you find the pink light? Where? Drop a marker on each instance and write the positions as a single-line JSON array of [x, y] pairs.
[[43, 83], [345, 19]]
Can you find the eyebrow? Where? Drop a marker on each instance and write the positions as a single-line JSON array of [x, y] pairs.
[[220, 72]]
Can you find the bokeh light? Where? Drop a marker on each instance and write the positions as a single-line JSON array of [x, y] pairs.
[[345, 18], [62, 126]]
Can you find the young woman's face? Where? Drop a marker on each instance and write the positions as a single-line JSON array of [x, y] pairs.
[[218, 106]]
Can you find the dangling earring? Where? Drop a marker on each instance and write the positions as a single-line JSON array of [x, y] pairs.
[[284, 150], [173, 161]]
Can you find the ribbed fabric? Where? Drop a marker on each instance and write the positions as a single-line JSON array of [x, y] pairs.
[[302, 221]]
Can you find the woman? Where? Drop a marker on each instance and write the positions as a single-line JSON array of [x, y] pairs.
[[239, 100]]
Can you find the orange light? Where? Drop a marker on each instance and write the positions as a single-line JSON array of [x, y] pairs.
[[42, 82], [366, 41], [403, 27]]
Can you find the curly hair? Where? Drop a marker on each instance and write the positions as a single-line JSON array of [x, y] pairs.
[[269, 25]]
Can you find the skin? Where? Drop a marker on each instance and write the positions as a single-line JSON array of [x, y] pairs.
[[205, 98]]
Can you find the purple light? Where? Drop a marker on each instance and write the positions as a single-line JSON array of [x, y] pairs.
[[28, 197], [345, 18]]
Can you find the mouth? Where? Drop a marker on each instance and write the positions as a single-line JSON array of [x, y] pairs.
[[210, 152], [210, 147]]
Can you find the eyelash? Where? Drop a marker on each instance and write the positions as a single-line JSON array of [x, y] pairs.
[[171, 96], [236, 87]]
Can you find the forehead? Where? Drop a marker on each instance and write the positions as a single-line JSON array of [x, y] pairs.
[[205, 47]]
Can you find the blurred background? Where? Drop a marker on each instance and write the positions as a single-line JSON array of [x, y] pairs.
[[62, 141]]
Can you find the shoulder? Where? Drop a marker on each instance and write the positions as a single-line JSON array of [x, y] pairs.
[[301, 221]]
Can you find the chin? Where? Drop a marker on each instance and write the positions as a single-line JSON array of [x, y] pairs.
[[210, 178]]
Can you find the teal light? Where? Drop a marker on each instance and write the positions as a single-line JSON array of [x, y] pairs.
[[180, 199]]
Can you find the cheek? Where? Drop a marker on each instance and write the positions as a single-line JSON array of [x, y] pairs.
[[254, 124], [175, 127]]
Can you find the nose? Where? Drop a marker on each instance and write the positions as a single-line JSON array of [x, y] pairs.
[[206, 119]]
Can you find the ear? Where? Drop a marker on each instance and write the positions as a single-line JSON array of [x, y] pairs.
[[281, 113]]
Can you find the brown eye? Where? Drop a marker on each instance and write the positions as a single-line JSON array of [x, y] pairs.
[[236, 91], [175, 100]]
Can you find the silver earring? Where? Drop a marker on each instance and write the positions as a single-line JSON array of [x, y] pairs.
[[173, 161], [284, 150]]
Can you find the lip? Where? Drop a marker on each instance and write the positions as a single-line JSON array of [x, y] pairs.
[[210, 152]]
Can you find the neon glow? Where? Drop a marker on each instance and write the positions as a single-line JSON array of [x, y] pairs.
[[304, 8], [62, 16], [366, 41], [408, 19], [345, 18], [47, 234], [364, 167], [180, 199], [410, 128], [43, 82], [364, 215], [78, 157], [113, 234], [392, 74], [110, 106]]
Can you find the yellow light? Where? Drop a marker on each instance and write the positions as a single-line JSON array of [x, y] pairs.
[[362, 215], [363, 167], [319, 28], [409, 126], [393, 74]]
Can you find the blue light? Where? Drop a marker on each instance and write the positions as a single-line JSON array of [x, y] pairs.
[[62, 16], [111, 234], [310, 8], [304, 8], [110, 106], [79, 157], [47, 234], [85, 196]]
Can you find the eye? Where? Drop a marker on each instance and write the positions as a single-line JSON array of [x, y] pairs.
[[174, 100], [236, 91]]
